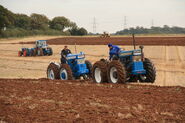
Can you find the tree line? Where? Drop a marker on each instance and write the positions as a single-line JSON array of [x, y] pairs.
[[18, 25], [153, 30]]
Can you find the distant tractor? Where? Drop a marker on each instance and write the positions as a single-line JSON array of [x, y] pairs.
[[41, 49], [75, 68], [105, 35], [128, 66]]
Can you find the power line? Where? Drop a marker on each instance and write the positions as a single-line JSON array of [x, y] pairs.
[[125, 22], [94, 25]]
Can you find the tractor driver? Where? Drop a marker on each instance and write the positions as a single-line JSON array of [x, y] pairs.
[[113, 52], [64, 53]]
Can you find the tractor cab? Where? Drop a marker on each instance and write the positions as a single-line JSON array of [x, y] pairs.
[[41, 44]]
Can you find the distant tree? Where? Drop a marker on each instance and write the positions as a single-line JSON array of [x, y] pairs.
[[78, 31], [6, 18], [82, 31], [60, 23], [73, 31], [18, 25], [22, 21], [153, 30], [39, 21]]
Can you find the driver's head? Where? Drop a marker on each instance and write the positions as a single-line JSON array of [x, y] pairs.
[[110, 46], [65, 47]]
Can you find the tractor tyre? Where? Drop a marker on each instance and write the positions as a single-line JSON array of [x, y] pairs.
[[89, 67], [150, 75], [20, 53], [32, 53], [51, 51], [105, 61], [116, 72], [65, 72], [99, 72], [25, 53], [40, 52], [53, 71]]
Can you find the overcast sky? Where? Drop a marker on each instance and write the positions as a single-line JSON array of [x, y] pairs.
[[109, 14]]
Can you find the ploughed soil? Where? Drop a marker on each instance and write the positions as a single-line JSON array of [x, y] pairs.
[[42, 100], [179, 41]]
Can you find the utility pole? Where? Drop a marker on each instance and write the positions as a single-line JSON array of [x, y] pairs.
[[94, 25], [125, 22], [152, 23]]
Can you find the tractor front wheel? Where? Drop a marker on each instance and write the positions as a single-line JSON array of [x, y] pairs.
[[66, 72], [99, 72], [25, 53], [116, 72], [50, 51], [19, 53], [53, 71], [89, 67]]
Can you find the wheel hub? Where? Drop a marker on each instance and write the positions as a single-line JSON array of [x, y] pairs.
[[113, 75], [51, 74], [63, 74], [97, 75]]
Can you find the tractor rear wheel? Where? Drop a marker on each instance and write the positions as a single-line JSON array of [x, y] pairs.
[[89, 67], [51, 51], [19, 53], [65, 72], [35, 52], [25, 53], [150, 72], [53, 71], [32, 52], [116, 72], [99, 72]]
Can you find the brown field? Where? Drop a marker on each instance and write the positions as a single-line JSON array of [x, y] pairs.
[[46, 100], [177, 41], [38, 101]]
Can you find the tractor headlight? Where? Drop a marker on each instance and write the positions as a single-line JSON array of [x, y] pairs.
[[81, 56], [81, 61], [137, 58], [137, 52], [71, 57]]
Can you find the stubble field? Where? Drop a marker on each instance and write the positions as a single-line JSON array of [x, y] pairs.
[[110, 101]]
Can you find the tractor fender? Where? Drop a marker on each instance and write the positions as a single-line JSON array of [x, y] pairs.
[[56, 63]]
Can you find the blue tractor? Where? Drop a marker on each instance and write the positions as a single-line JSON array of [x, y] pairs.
[[76, 67], [128, 66], [41, 49]]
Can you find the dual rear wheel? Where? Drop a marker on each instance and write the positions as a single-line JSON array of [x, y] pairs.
[[115, 72]]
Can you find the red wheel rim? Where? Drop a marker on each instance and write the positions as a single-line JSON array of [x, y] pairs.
[[24, 53]]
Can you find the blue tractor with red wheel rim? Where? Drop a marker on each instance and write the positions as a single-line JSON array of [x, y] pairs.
[[41, 49]]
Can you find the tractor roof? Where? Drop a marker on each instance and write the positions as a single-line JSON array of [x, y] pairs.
[[41, 40]]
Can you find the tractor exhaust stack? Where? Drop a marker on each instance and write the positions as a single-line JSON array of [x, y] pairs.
[[134, 42]]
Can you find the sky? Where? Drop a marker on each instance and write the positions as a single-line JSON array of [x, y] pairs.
[[109, 14]]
